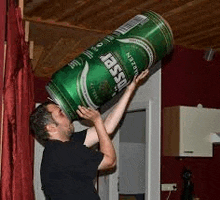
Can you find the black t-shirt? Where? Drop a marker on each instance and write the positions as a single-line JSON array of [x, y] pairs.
[[69, 168]]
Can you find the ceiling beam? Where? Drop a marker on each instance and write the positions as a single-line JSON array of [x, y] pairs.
[[64, 24]]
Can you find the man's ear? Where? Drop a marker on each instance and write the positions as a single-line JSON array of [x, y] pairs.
[[51, 128]]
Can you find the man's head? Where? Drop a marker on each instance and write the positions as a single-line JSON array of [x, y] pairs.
[[49, 122]]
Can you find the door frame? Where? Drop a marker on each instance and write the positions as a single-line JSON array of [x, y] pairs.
[[147, 98], [152, 151]]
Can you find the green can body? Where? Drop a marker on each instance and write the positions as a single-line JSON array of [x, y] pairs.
[[104, 69]]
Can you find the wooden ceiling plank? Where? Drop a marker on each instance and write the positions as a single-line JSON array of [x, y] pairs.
[[208, 43], [58, 9], [101, 12], [35, 8], [38, 50], [106, 13], [190, 34], [50, 13], [183, 8], [82, 45], [165, 6], [98, 17], [120, 18], [92, 12], [69, 57], [190, 15], [212, 39], [195, 35], [46, 70], [64, 24], [204, 19], [54, 12], [122, 13], [198, 25], [46, 49], [69, 11], [77, 10], [53, 62], [138, 8], [150, 4], [64, 45]]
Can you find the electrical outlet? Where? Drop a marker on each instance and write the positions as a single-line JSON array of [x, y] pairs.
[[169, 187]]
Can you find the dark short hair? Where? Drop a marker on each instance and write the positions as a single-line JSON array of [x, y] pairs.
[[39, 118]]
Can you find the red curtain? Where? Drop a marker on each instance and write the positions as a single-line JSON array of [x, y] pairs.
[[17, 143], [2, 39]]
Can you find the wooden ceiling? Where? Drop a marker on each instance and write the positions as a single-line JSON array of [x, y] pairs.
[[62, 29]]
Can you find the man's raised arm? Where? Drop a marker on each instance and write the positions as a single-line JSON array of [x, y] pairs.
[[113, 119]]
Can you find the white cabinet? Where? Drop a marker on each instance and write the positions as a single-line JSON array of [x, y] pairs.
[[189, 131]]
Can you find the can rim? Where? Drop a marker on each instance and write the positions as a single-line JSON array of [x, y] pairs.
[[52, 89], [165, 22], [166, 29]]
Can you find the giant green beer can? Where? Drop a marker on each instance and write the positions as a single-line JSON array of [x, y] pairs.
[[104, 69]]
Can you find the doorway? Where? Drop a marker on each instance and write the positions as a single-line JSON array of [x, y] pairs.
[[132, 162]]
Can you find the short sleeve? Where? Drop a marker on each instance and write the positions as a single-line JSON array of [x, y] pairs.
[[79, 136]]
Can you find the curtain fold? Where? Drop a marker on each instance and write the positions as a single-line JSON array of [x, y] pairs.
[[17, 143], [2, 40]]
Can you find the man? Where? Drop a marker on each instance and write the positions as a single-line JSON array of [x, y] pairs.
[[68, 165]]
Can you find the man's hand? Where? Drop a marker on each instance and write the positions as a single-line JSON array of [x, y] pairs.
[[89, 114], [138, 80], [113, 119], [106, 146]]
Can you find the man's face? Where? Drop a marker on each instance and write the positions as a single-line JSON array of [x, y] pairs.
[[65, 126]]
